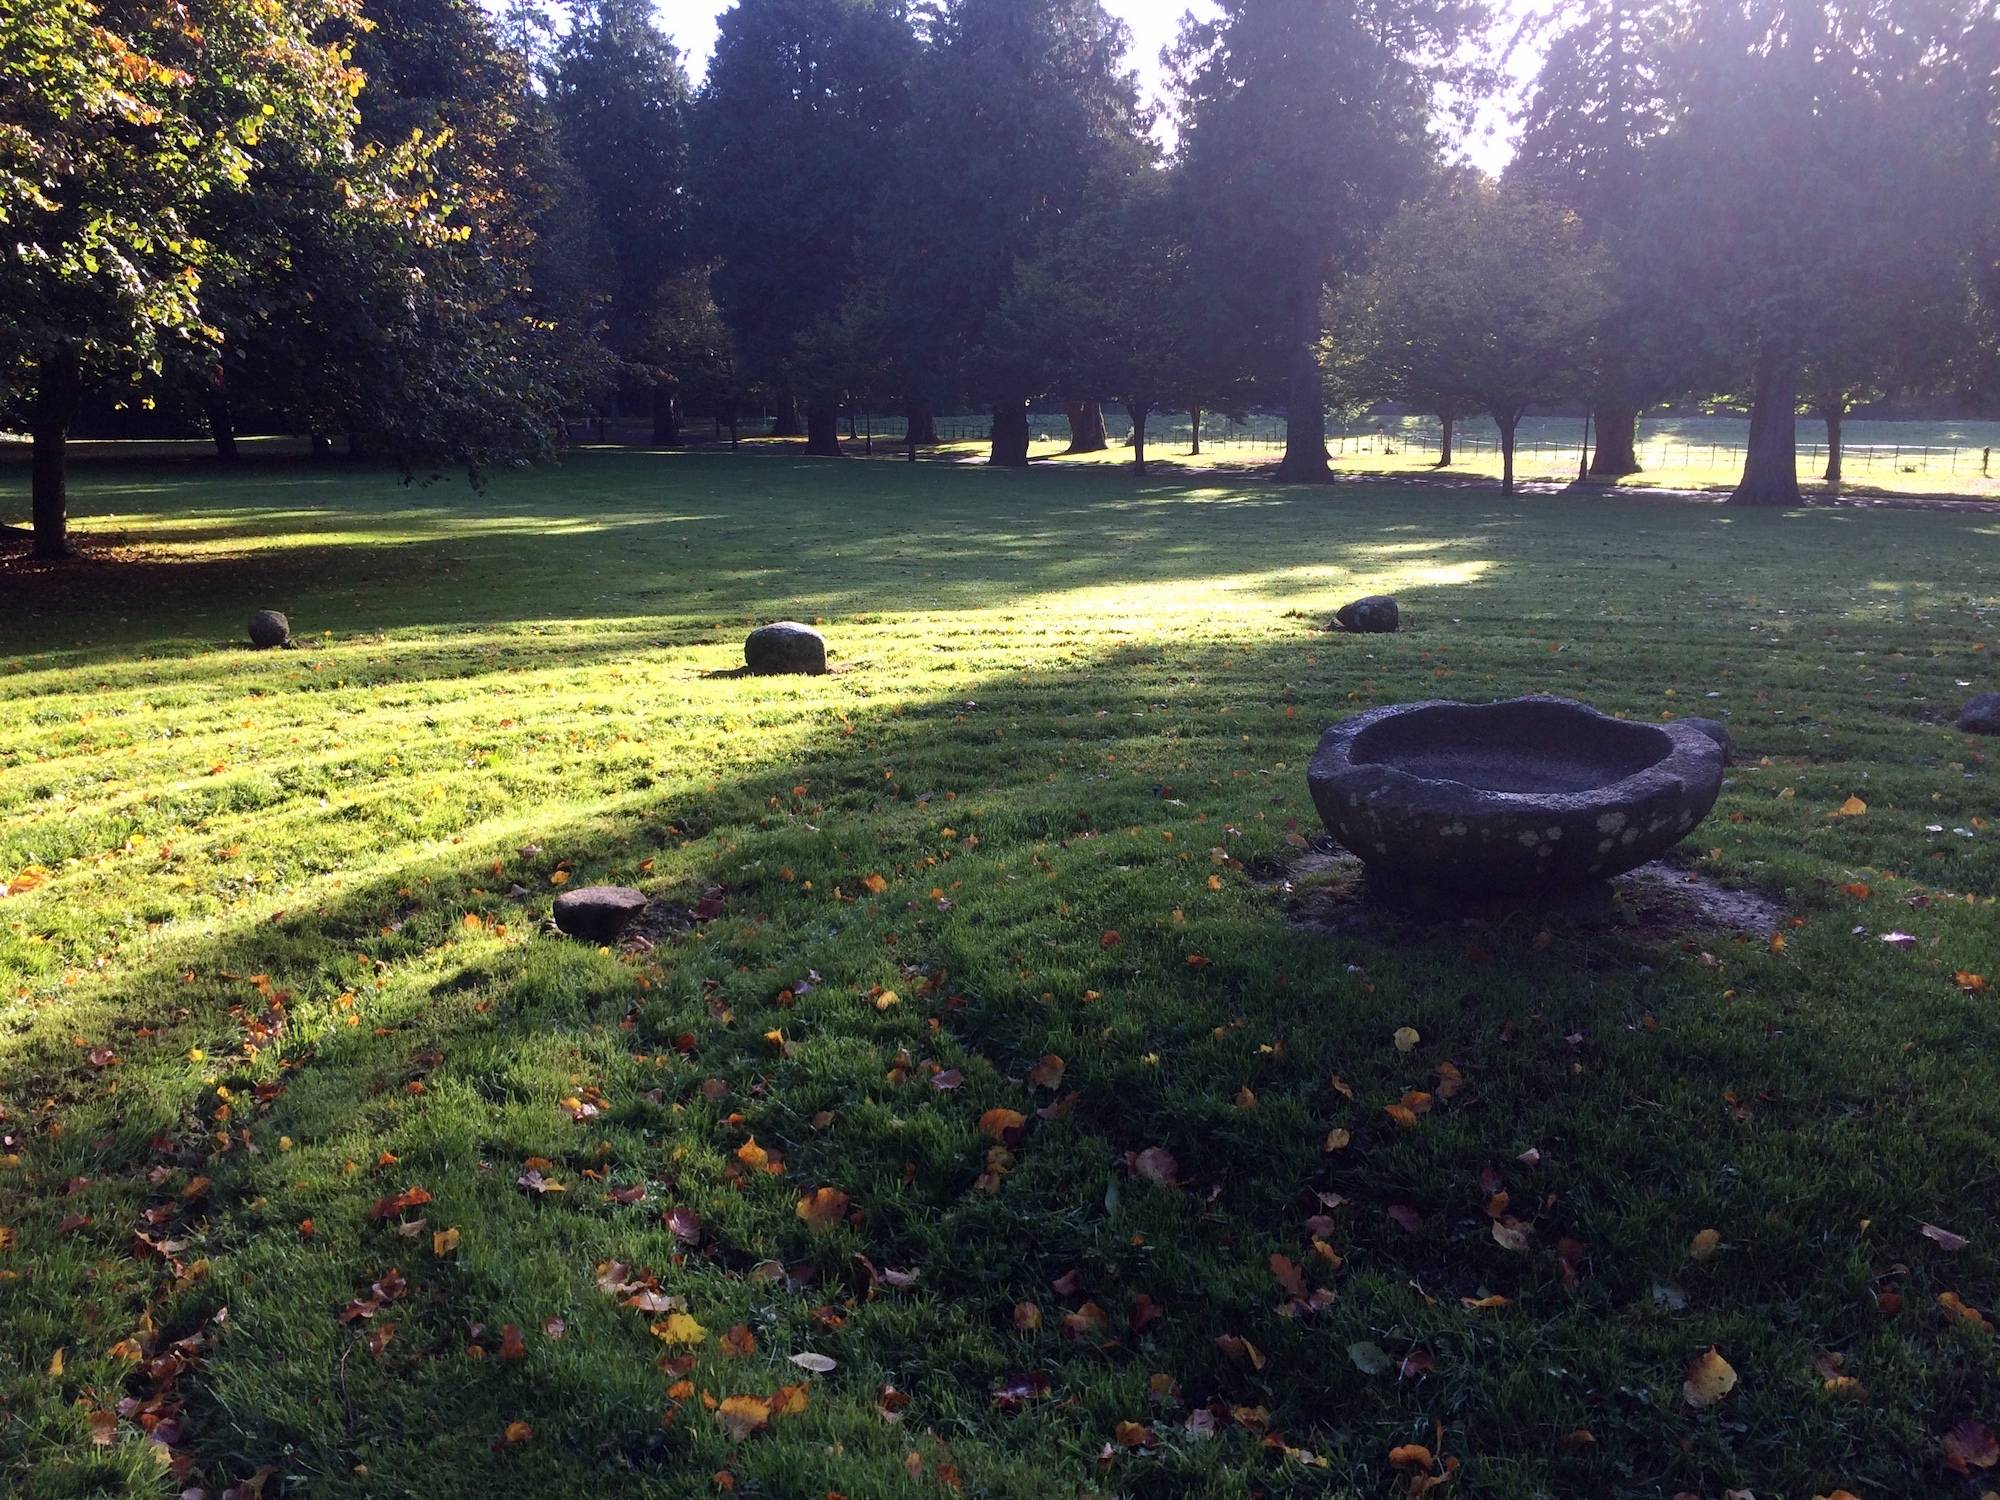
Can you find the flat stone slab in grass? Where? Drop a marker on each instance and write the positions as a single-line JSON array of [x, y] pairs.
[[786, 646], [1519, 796], [598, 913], [268, 630], [1377, 614], [1981, 715]]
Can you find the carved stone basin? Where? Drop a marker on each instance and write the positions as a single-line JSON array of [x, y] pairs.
[[1511, 797]]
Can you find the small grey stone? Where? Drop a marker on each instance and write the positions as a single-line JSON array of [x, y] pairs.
[[785, 646], [598, 913], [1375, 615], [1981, 715], [269, 630], [1718, 731]]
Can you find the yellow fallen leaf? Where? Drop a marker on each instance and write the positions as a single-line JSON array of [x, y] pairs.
[[1709, 1379], [1853, 807], [823, 1208], [743, 1415], [1704, 1245], [1406, 1038], [679, 1328]]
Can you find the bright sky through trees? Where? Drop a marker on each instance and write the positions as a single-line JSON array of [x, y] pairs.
[[1154, 24]]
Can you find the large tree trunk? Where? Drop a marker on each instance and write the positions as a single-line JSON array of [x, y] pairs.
[[1010, 433], [1447, 418], [1771, 461], [1617, 441], [1086, 427], [1507, 422], [1194, 432], [922, 426], [1305, 460], [823, 429], [1139, 411], [666, 416], [58, 394], [221, 421], [785, 420], [1833, 412]]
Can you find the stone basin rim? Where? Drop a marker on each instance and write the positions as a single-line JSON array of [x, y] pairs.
[[1558, 794], [1681, 753]]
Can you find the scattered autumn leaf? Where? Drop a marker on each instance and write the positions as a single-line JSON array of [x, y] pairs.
[[1709, 1379]]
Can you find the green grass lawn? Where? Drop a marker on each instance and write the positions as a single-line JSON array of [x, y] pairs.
[[286, 967]]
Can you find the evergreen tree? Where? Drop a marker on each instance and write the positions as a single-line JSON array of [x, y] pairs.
[[1019, 106], [1305, 125], [616, 85], [796, 121]]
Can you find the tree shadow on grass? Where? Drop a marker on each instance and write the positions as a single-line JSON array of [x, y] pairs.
[[999, 952]]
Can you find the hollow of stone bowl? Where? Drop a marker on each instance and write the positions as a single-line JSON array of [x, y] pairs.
[[1511, 797]]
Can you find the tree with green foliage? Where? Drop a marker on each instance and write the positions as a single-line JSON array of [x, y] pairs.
[[618, 88], [1019, 107], [1107, 298], [1304, 126], [461, 189], [1484, 297], [119, 121], [802, 104]]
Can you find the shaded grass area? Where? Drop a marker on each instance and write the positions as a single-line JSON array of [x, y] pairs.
[[286, 964]]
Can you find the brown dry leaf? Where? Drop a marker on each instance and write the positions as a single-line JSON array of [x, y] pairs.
[[512, 1345], [1709, 1379], [1027, 1317], [1970, 1445], [1512, 1234], [1337, 1140], [739, 1340], [1157, 1165], [1944, 1238], [1048, 1073], [444, 1241], [998, 1124], [1238, 1347], [515, 1432], [1704, 1245], [789, 1400], [1411, 1458], [1289, 1276]]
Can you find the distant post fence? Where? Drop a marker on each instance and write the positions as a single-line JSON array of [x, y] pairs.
[[1266, 434]]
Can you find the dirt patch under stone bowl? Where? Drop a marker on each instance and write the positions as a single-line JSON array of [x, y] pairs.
[[1327, 890], [1509, 798]]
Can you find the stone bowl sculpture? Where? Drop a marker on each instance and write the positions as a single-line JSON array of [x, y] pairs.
[[1510, 798]]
